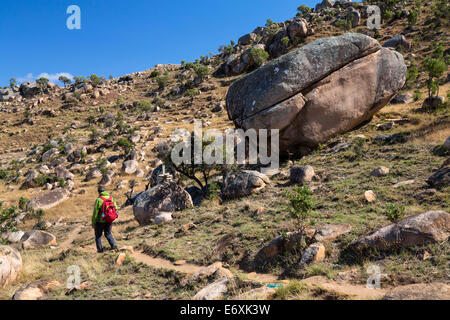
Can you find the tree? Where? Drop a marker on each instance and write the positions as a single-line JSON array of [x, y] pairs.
[[435, 65], [412, 18], [66, 81], [435, 69], [42, 82], [79, 80], [303, 10], [12, 82], [96, 80], [201, 71]]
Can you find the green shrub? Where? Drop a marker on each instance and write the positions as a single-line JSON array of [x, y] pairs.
[[344, 24], [303, 10], [412, 18], [417, 95], [302, 203], [23, 203], [394, 213], [411, 75], [258, 56], [387, 15], [192, 92], [4, 174], [125, 144], [162, 81], [154, 74]]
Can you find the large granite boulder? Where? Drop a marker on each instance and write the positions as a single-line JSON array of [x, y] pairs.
[[10, 265], [29, 90], [322, 89], [163, 198], [36, 290], [7, 94], [48, 200], [244, 183], [37, 238], [428, 227]]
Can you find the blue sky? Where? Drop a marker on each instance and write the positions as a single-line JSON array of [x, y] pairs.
[[119, 37]]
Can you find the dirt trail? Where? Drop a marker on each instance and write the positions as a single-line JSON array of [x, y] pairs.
[[340, 287]]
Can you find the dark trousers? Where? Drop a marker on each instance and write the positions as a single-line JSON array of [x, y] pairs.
[[105, 228]]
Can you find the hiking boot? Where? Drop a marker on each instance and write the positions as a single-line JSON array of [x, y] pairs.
[[115, 248], [100, 251]]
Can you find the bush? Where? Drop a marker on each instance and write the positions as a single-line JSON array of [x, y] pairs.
[[125, 144], [303, 10], [387, 15], [192, 92], [201, 71], [412, 18], [23, 203], [302, 203], [411, 75], [143, 105], [162, 81], [154, 74], [394, 213], [417, 95], [258, 56], [343, 24], [4, 174]]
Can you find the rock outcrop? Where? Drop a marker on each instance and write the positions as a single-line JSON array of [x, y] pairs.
[[322, 89], [428, 227], [48, 200], [244, 183], [164, 198], [10, 265]]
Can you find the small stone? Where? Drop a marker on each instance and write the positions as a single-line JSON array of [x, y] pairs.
[[179, 262], [120, 259], [314, 253], [302, 175], [380, 172], [370, 196]]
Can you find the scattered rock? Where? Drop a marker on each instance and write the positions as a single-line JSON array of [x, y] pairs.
[[432, 226], [214, 291], [36, 290], [202, 274], [301, 175], [402, 183], [244, 183], [130, 166], [420, 291], [380, 172], [12, 236], [314, 253], [163, 217], [10, 265], [398, 41], [402, 98], [331, 232], [370, 196], [120, 259], [37, 238], [48, 200], [440, 178]]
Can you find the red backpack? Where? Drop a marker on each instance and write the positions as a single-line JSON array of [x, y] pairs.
[[109, 212]]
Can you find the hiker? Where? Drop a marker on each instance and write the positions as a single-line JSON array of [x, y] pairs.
[[105, 212]]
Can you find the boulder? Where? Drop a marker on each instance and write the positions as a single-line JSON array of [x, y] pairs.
[[298, 28], [36, 290], [396, 42], [431, 226], [7, 94], [30, 179], [314, 253], [50, 153], [201, 274], [331, 232], [440, 178], [402, 98], [214, 291], [62, 173], [380, 172], [244, 183], [29, 90], [12, 236], [130, 166], [37, 238], [48, 200], [94, 173], [420, 291], [324, 4], [165, 197], [10, 265], [301, 175], [322, 89], [247, 39], [447, 144], [355, 17], [370, 196], [163, 217]]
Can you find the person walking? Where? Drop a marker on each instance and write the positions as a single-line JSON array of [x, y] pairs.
[[105, 212]]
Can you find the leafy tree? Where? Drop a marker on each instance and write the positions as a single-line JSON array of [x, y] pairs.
[[12, 82], [79, 80], [201, 71], [435, 65], [302, 203], [42, 82], [411, 75], [303, 10], [162, 81], [96, 80], [66, 81]]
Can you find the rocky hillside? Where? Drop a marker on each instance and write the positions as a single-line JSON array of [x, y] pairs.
[[363, 185]]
